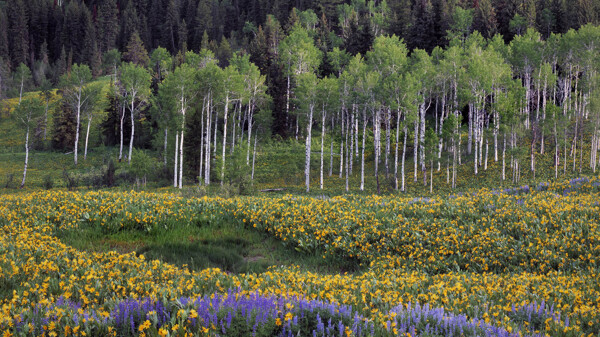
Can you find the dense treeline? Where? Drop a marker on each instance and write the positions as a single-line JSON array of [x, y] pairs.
[[368, 93], [50, 35]]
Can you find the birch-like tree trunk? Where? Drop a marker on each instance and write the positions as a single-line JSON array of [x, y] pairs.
[[121, 132], [78, 123], [224, 138], [308, 148], [175, 175], [416, 149], [362, 160], [132, 127], [405, 130], [322, 143], [87, 136], [26, 157], [388, 119]]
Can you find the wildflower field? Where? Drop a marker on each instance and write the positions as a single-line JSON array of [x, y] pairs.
[[514, 262]]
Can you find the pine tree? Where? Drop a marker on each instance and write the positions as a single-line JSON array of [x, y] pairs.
[[422, 33], [485, 19], [63, 126], [4, 47], [107, 25], [96, 62], [136, 53], [18, 32]]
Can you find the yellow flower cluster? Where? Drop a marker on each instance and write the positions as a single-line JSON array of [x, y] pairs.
[[439, 251]]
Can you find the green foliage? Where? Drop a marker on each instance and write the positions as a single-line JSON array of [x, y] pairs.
[[141, 165]]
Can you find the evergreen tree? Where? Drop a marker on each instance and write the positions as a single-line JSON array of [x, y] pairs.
[[136, 53], [4, 46], [18, 32], [422, 33], [64, 125], [107, 25]]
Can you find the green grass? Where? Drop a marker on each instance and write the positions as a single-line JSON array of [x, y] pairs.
[[226, 245]]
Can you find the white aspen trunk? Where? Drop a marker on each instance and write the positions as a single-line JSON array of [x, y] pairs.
[[183, 111], [454, 157], [470, 140], [87, 136], [180, 182], [362, 160], [527, 99], [121, 132], [376, 146], [350, 153], [504, 159], [404, 156], [175, 175], [475, 137], [322, 144], [422, 111], [343, 120], [216, 119], [165, 148], [496, 130], [132, 130], [396, 150], [26, 157], [416, 149], [486, 153], [431, 178], [208, 133], [287, 104], [233, 123], [387, 142], [441, 127], [78, 124], [356, 133], [202, 135], [224, 138], [308, 146]]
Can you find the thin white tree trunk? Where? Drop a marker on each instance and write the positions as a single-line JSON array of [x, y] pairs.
[[180, 180], [362, 160], [175, 175], [78, 124], [388, 119], [121, 132], [224, 139], [132, 130], [342, 144], [322, 144], [26, 157], [416, 149], [208, 133], [405, 130], [396, 151], [87, 136], [308, 148]]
